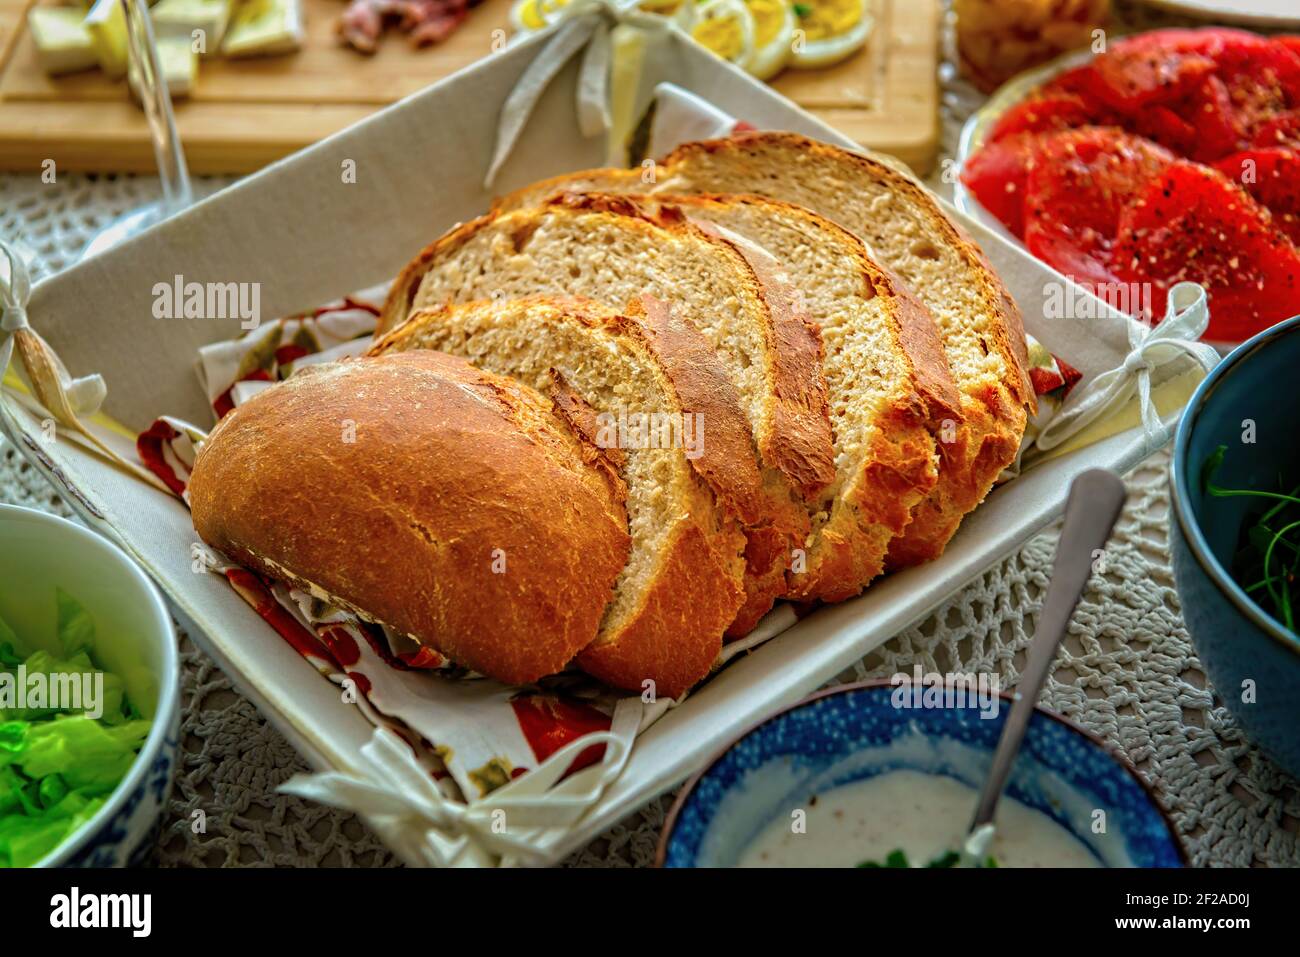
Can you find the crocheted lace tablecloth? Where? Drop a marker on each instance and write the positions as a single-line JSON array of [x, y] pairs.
[[1127, 670]]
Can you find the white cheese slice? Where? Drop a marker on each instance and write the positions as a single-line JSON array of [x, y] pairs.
[[178, 62], [193, 20], [106, 23], [264, 28], [63, 45]]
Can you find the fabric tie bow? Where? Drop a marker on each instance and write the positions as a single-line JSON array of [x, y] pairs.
[[61, 396], [595, 26], [1153, 349], [515, 822]]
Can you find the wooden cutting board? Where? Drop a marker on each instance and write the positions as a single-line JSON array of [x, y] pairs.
[[245, 113]]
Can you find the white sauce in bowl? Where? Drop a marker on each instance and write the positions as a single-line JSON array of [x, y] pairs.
[[924, 815]]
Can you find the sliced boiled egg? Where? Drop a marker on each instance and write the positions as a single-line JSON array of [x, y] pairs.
[[529, 16], [725, 27], [774, 26], [829, 31], [665, 8]]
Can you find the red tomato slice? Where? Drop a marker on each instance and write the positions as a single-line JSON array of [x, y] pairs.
[[997, 173], [1043, 114], [1164, 126], [1076, 189], [1262, 80], [1201, 41], [1204, 40], [1272, 177], [1077, 81], [1283, 130], [1250, 60], [1159, 67], [1192, 223], [1218, 131]]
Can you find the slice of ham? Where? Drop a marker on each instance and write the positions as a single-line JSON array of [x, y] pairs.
[[425, 21]]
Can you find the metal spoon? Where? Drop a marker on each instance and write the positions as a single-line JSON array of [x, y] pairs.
[[1096, 499]]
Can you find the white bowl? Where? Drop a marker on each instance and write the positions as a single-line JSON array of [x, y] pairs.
[[134, 639]]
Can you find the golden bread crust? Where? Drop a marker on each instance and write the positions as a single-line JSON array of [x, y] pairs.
[[993, 419], [726, 461], [603, 180], [668, 642], [701, 560], [898, 465], [796, 450], [792, 406], [969, 463], [395, 483], [800, 445]]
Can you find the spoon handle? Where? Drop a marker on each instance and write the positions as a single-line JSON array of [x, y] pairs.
[[1096, 499]]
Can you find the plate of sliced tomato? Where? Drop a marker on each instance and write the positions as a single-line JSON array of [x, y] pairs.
[[1174, 155]]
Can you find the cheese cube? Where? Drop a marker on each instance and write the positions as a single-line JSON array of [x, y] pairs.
[[181, 18], [179, 64], [63, 45], [264, 28], [106, 23]]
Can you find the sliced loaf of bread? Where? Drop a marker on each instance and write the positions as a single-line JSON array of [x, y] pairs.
[[452, 505], [887, 380], [651, 380], [906, 230], [612, 250], [903, 225]]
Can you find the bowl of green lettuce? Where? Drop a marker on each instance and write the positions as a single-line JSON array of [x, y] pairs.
[[89, 698]]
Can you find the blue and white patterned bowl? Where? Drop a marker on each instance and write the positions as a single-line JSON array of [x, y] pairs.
[[39, 552], [855, 732]]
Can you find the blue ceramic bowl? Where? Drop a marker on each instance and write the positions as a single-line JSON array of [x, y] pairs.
[[1252, 661], [854, 732], [134, 638]]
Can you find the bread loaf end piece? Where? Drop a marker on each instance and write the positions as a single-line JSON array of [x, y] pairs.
[[447, 503]]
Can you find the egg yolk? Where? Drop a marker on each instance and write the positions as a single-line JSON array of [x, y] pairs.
[[533, 14], [829, 18], [768, 15], [722, 35]]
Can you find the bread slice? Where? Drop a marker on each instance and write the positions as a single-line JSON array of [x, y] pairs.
[[612, 250], [449, 504], [887, 380], [906, 230], [606, 181], [656, 374]]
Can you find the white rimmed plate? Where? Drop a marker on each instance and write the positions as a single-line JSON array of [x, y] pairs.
[[1256, 13]]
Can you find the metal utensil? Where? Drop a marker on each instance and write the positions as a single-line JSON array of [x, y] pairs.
[[1096, 499]]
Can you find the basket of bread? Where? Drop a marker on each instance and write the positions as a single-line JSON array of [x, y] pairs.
[[645, 413]]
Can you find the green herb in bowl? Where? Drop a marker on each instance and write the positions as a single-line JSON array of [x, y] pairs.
[[898, 858], [69, 733], [1267, 560]]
